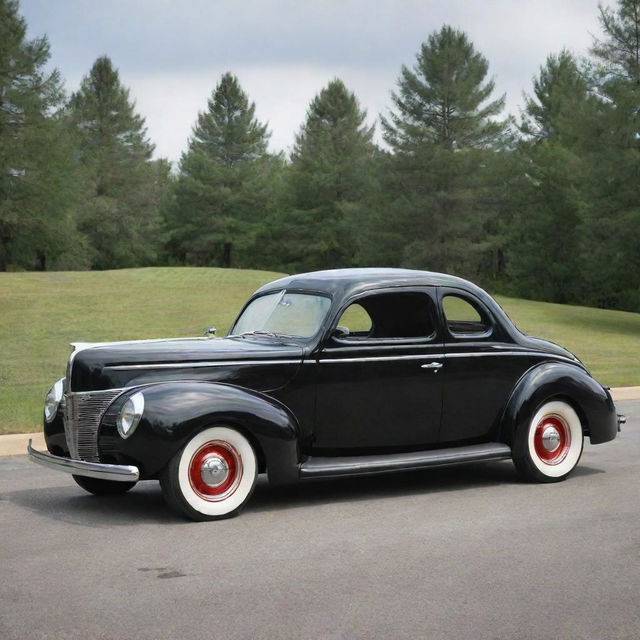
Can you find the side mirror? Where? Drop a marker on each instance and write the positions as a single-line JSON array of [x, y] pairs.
[[210, 332], [340, 332]]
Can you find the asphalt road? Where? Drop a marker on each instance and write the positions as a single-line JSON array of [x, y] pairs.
[[466, 552]]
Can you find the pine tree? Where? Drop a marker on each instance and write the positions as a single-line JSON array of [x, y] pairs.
[[123, 186], [443, 134], [328, 181], [443, 99], [613, 216], [561, 104], [619, 51], [547, 199], [226, 179], [36, 184]]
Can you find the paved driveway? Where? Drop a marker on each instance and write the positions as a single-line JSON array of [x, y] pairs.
[[464, 552]]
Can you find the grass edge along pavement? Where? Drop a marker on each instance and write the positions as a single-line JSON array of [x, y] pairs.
[[41, 313]]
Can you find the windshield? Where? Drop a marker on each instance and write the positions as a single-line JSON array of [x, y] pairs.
[[282, 313]]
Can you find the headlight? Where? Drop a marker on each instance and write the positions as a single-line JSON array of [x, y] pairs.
[[130, 415], [52, 401]]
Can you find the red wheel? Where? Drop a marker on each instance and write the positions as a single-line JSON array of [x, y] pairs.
[[552, 439], [552, 445], [212, 477], [215, 471]]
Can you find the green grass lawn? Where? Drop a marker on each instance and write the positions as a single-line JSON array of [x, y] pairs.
[[40, 313]]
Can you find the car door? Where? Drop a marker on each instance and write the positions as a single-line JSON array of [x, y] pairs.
[[378, 379], [481, 368]]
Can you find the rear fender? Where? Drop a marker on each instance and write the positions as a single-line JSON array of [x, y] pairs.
[[175, 411], [563, 381]]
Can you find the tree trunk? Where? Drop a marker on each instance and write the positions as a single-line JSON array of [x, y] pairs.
[[41, 260], [226, 255]]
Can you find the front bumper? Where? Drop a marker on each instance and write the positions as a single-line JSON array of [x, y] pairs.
[[117, 472]]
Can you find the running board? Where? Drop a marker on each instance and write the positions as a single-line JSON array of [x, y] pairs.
[[316, 467]]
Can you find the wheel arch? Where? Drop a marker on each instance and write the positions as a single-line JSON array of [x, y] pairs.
[[560, 381], [174, 412]]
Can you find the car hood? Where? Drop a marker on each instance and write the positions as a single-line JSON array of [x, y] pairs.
[[267, 363]]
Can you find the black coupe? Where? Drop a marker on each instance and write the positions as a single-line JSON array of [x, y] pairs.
[[325, 374]]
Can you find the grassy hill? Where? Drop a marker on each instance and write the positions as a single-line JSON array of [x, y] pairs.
[[40, 313]]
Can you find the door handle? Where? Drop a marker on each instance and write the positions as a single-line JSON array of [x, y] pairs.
[[432, 365]]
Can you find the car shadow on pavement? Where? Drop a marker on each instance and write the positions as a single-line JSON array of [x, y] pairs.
[[72, 505], [145, 504], [426, 481]]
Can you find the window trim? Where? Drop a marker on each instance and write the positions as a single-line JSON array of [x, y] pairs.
[[477, 304], [429, 291]]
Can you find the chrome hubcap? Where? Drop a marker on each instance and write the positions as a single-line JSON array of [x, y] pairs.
[[550, 438], [214, 471]]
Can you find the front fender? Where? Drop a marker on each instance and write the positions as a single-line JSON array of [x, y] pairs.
[[175, 411], [591, 401]]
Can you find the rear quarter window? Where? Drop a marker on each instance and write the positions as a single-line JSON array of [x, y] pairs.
[[463, 318]]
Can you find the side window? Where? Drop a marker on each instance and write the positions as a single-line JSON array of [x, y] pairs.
[[389, 315], [463, 318], [356, 321]]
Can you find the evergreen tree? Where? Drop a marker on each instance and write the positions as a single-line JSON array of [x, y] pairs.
[[122, 186], [328, 180], [619, 51], [443, 100], [613, 216], [561, 104], [36, 185], [443, 133], [548, 197], [225, 185]]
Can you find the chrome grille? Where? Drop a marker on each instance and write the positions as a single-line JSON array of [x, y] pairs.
[[82, 415]]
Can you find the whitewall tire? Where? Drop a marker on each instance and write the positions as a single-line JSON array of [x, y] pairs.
[[212, 477], [550, 447]]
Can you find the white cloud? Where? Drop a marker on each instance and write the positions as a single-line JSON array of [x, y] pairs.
[[171, 102], [172, 54]]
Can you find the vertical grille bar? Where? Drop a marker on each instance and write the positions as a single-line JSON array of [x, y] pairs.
[[82, 415]]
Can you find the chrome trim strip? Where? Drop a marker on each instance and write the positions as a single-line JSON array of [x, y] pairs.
[[422, 356], [510, 353], [117, 472], [197, 365], [427, 356]]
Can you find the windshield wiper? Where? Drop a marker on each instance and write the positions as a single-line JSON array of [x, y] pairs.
[[262, 332], [259, 332]]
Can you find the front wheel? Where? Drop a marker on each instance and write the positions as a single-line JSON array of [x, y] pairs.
[[549, 449], [212, 477], [101, 487]]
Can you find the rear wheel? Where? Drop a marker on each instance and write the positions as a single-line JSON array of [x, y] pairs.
[[103, 487], [550, 448], [212, 477]]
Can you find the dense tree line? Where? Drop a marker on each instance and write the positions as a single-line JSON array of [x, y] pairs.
[[545, 205]]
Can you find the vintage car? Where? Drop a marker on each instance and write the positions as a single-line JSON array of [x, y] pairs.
[[326, 374]]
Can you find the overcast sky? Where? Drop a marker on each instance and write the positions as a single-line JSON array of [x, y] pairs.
[[171, 53]]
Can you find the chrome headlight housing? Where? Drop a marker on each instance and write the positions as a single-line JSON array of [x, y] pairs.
[[52, 400], [130, 414]]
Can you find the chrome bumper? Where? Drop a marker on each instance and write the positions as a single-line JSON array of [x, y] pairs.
[[117, 472]]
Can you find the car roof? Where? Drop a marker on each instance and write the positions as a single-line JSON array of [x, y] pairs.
[[345, 282]]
